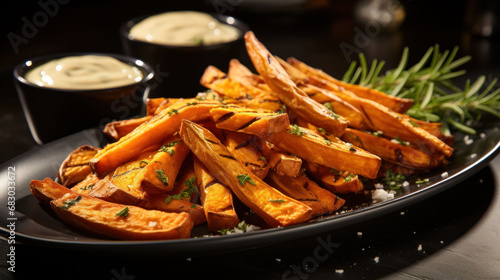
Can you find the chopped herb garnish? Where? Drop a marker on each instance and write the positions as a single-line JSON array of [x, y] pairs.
[[422, 181], [172, 112], [296, 130], [70, 202], [160, 174], [276, 200], [320, 129], [87, 187], [123, 212], [262, 158], [168, 147], [191, 187], [245, 177], [349, 177], [413, 123], [241, 227], [328, 142], [328, 106], [198, 41]]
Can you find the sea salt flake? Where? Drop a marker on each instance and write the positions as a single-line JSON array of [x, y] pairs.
[[444, 174], [419, 247], [339, 271], [376, 259]]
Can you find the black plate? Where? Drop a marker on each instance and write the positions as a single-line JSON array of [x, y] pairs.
[[36, 225]]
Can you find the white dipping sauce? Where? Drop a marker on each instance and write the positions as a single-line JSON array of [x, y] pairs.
[[185, 28], [84, 72]]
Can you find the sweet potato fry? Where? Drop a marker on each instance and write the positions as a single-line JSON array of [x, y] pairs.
[[336, 181], [256, 122], [394, 151], [161, 171], [271, 205], [117, 129], [152, 104], [76, 166], [337, 105], [216, 199], [396, 104], [242, 147], [326, 150], [307, 191], [293, 97], [281, 162], [150, 133], [47, 190], [110, 219], [381, 118], [237, 92], [119, 221]]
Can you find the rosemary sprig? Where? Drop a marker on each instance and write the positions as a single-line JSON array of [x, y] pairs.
[[430, 83]]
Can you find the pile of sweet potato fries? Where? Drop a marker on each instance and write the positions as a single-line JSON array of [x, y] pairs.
[[287, 142]]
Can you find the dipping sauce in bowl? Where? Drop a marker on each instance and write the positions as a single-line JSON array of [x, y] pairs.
[[65, 93], [180, 45], [84, 72], [184, 28]]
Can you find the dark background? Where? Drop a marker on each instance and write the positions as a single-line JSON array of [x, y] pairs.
[[458, 228]]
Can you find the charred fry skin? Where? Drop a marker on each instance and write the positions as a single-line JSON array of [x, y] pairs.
[[271, 205], [293, 97], [76, 166], [242, 147], [256, 122], [150, 133], [216, 199]]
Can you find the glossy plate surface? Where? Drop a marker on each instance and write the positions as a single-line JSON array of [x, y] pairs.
[[36, 225]]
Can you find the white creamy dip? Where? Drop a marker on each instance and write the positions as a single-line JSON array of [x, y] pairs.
[[84, 72], [184, 28]]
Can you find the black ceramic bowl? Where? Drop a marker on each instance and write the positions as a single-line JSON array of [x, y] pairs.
[[53, 113], [179, 68]]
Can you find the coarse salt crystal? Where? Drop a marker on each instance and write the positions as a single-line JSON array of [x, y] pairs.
[[380, 195], [444, 174], [468, 140], [339, 271], [482, 135], [473, 155], [360, 233], [406, 184], [376, 259], [419, 247], [278, 259]]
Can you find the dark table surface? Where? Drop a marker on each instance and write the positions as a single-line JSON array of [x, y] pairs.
[[453, 235]]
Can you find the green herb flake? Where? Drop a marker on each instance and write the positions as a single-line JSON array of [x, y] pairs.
[[123, 212], [422, 181], [413, 123], [70, 202], [173, 112], [160, 174], [87, 187], [349, 177], [245, 177], [276, 200], [295, 130]]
